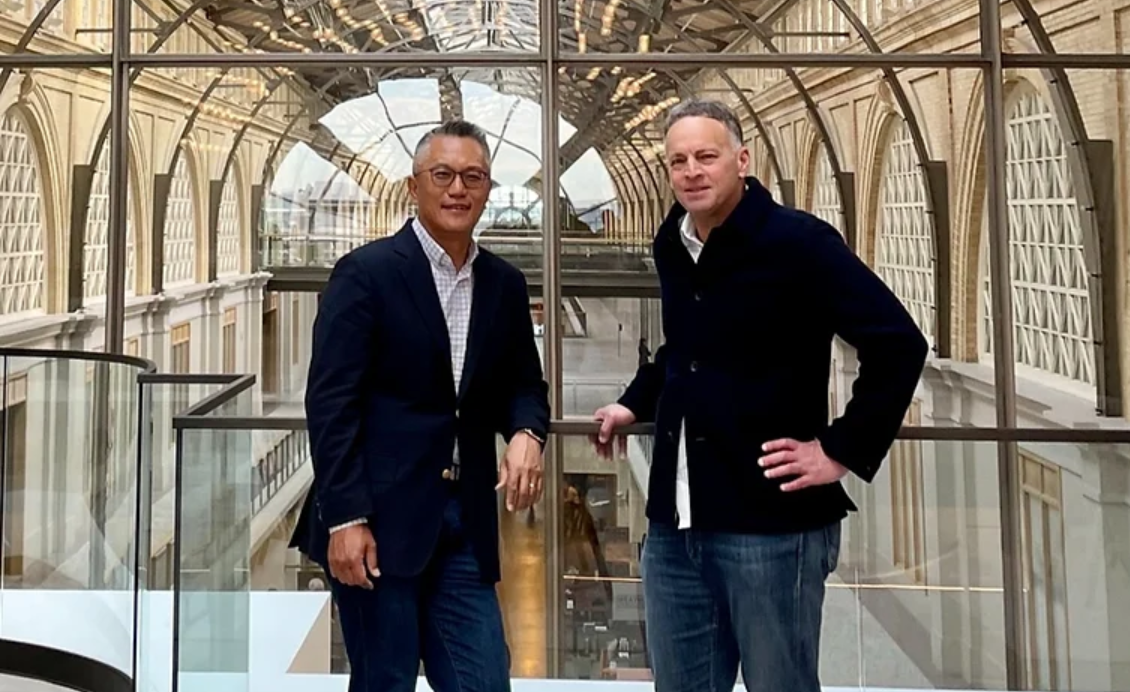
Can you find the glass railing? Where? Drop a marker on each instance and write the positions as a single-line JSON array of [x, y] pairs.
[[89, 507], [916, 601], [75, 426], [948, 577], [73, 432], [212, 620]]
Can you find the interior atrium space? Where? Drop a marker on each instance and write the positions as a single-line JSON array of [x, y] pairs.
[[178, 179]]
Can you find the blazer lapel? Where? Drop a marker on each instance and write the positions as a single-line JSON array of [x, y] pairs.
[[417, 274], [484, 305]]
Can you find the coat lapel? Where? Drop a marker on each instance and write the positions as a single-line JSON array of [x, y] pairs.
[[484, 305], [417, 274]]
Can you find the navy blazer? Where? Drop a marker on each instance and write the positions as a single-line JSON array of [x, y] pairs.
[[748, 339], [384, 413]]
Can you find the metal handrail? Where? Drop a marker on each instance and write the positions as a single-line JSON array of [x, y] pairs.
[[588, 427], [144, 364]]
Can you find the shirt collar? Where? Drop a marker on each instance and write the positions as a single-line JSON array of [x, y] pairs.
[[435, 252], [686, 228]]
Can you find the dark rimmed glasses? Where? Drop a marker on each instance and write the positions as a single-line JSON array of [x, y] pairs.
[[473, 178]]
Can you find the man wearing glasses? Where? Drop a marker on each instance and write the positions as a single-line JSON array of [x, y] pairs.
[[423, 351]]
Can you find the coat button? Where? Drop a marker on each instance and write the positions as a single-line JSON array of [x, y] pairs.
[[694, 366], [447, 474], [697, 295]]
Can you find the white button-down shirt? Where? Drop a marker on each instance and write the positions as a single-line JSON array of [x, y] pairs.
[[682, 478], [455, 289]]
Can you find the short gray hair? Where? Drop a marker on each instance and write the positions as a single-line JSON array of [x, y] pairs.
[[452, 128], [715, 110]]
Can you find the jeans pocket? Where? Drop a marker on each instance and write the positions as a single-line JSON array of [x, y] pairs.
[[831, 547]]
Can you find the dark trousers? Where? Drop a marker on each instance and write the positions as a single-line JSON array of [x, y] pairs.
[[717, 601], [447, 617]]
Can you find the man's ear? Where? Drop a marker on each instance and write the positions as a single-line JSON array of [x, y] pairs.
[[412, 188], [743, 162]]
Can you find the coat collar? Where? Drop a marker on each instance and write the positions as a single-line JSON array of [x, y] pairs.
[[746, 217], [417, 274]]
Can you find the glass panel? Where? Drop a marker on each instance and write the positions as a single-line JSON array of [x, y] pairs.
[[326, 195], [1057, 235], [61, 26], [803, 27], [287, 319], [350, 27], [1043, 30], [214, 613], [922, 559], [155, 641], [526, 613], [816, 159], [603, 526], [70, 506], [605, 340]]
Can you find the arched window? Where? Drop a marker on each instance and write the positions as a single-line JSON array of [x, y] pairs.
[[180, 227], [95, 257], [228, 246], [21, 229], [825, 194], [1050, 300], [904, 255]]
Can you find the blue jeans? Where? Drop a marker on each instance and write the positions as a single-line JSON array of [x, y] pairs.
[[714, 601], [447, 617]]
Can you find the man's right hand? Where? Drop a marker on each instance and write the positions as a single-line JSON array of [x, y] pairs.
[[353, 556], [610, 417]]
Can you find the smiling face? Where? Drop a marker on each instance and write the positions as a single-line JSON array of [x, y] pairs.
[[707, 167], [451, 184]]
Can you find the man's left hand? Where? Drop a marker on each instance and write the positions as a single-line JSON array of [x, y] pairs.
[[805, 460], [521, 472]]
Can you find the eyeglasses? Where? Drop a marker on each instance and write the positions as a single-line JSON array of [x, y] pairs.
[[473, 178]]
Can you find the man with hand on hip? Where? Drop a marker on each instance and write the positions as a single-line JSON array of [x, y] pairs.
[[744, 501], [423, 352]]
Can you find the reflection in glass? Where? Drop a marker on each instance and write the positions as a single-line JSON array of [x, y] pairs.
[[345, 26], [603, 529]]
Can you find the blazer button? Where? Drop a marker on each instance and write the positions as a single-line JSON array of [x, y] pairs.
[[447, 474], [694, 366], [697, 295]]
